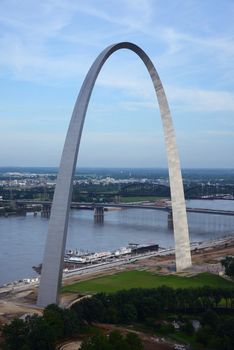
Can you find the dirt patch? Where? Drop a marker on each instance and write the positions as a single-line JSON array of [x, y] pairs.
[[11, 309]]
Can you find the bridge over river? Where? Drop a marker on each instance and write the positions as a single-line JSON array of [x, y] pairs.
[[93, 206], [144, 213], [100, 208]]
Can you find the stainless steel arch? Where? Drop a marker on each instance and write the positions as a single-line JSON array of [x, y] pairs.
[[56, 239]]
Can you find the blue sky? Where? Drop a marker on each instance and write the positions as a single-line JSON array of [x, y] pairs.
[[48, 46]]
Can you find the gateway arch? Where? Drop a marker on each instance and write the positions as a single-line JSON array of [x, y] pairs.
[[57, 232]]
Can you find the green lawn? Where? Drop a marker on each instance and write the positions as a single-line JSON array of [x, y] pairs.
[[144, 279]]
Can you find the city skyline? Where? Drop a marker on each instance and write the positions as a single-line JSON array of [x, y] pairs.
[[47, 48]]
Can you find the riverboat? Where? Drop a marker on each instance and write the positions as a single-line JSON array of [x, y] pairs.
[[79, 258]]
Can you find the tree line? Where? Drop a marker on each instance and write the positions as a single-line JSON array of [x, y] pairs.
[[123, 307], [136, 305]]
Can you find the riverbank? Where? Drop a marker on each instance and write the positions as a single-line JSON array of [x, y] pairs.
[[23, 237], [202, 253], [208, 249], [19, 299]]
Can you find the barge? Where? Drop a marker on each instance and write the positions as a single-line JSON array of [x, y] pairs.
[[75, 258]]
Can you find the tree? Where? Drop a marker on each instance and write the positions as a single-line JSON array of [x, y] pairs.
[[188, 328], [148, 306], [211, 319], [228, 264], [226, 332], [112, 315], [115, 341], [71, 323], [134, 341], [15, 334], [203, 335], [129, 313], [32, 334], [40, 334], [97, 342], [90, 310], [53, 315]]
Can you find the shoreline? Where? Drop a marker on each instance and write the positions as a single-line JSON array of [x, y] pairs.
[[20, 299], [196, 249]]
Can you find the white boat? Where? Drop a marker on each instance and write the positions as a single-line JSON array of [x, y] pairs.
[[77, 260], [123, 251]]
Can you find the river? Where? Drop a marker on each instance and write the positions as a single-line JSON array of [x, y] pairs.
[[22, 238]]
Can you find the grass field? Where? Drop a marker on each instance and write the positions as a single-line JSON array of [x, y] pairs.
[[144, 279]]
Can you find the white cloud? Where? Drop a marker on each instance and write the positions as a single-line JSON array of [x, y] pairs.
[[198, 100], [221, 45], [31, 29], [56, 41], [180, 98], [132, 14], [29, 63]]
